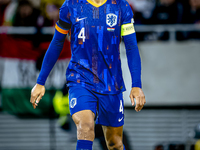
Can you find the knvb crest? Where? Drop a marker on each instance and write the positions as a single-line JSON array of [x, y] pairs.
[[73, 102], [111, 19]]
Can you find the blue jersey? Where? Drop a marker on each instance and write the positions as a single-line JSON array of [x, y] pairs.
[[95, 37]]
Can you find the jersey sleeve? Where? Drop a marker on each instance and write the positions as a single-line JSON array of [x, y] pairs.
[[64, 24], [129, 36], [127, 19]]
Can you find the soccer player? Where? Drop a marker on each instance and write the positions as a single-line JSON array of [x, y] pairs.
[[94, 75]]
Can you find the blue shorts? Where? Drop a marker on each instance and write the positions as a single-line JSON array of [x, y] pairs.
[[108, 108]]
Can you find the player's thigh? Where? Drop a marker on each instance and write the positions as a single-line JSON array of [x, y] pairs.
[[84, 116], [113, 137], [83, 105], [84, 121]]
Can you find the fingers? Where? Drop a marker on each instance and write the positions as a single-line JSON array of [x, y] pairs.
[[38, 99], [132, 99], [35, 100], [138, 94], [138, 106], [33, 97], [144, 100], [34, 106], [32, 100], [36, 94], [140, 101]]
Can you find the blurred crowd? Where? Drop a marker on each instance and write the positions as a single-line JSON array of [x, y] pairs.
[[41, 13], [29, 12], [166, 11], [46, 12]]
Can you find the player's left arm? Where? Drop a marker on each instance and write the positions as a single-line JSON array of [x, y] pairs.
[[134, 63], [133, 56]]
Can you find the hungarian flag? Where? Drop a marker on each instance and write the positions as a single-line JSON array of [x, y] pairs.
[[20, 63]]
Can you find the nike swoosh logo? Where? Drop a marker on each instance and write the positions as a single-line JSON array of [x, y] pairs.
[[80, 19], [120, 119]]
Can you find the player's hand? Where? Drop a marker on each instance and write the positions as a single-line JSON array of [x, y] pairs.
[[138, 94], [37, 93]]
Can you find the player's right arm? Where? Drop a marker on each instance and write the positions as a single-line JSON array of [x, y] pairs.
[[61, 29]]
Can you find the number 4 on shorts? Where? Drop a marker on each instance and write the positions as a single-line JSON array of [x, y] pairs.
[[121, 109]]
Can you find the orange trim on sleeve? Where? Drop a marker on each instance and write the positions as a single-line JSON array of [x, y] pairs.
[[61, 30]]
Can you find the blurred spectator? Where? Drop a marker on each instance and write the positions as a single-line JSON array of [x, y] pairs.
[[7, 11], [167, 12], [35, 3], [194, 12], [49, 15], [26, 14], [192, 16], [50, 12], [142, 10]]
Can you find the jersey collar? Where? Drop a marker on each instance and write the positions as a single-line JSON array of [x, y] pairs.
[[94, 4]]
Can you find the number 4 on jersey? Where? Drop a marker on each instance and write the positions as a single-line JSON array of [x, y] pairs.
[[81, 34]]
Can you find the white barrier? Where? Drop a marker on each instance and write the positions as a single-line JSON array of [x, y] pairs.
[[139, 28]]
